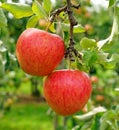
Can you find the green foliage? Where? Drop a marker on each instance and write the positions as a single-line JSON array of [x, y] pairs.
[[88, 43], [47, 5], [38, 10], [3, 20], [88, 116], [17, 9], [111, 2], [99, 118], [77, 29], [32, 21]]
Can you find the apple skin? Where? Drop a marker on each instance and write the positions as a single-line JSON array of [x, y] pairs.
[[67, 91], [39, 52]]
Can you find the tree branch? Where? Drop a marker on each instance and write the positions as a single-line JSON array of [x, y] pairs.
[[70, 51]]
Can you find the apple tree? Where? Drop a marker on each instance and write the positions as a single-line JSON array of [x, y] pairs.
[[39, 48]]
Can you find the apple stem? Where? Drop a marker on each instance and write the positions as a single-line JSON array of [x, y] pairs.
[[47, 27]]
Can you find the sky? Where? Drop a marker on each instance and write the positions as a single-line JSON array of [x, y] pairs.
[[103, 3]]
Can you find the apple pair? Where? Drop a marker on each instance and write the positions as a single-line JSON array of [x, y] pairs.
[[39, 53]]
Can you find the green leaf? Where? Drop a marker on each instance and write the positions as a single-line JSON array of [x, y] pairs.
[[65, 27], [32, 21], [78, 29], [106, 118], [88, 43], [89, 58], [18, 10], [47, 5], [38, 10], [108, 63], [87, 125], [96, 123], [102, 57], [3, 20], [101, 43], [90, 114], [52, 28], [111, 2]]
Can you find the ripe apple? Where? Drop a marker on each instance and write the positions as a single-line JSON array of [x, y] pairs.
[[39, 52], [67, 91]]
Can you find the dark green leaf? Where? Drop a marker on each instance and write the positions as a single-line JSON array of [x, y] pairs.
[[7, 63], [18, 10], [3, 20], [88, 43], [38, 10], [96, 123], [47, 5], [111, 2], [32, 21]]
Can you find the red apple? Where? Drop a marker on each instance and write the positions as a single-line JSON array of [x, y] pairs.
[[67, 91], [39, 52]]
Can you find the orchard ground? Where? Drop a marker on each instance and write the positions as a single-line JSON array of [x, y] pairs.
[[26, 112]]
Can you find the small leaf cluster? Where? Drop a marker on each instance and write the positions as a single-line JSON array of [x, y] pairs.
[[98, 119], [35, 12]]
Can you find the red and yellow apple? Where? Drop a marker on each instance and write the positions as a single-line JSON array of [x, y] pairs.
[[39, 52], [67, 91]]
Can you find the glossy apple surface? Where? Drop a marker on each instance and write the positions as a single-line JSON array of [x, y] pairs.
[[67, 91], [39, 52]]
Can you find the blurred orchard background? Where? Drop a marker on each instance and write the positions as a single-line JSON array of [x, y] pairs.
[[22, 104]]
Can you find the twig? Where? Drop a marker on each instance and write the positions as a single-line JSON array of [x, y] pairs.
[[57, 12], [76, 6]]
